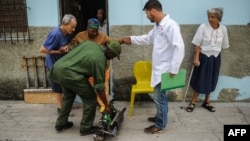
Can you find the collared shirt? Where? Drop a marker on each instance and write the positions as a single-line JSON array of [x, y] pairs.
[[168, 48], [211, 40], [55, 40], [84, 60]]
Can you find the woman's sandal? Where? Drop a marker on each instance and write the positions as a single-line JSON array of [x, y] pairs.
[[191, 107], [207, 106], [153, 130]]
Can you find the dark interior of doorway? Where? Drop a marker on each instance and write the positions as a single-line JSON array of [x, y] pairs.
[[82, 10]]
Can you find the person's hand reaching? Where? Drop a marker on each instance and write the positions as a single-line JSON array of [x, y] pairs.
[[127, 40]]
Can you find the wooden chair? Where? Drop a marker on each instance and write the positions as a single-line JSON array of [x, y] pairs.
[[142, 72]]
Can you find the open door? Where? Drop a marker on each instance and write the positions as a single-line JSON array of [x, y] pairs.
[[82, 10]]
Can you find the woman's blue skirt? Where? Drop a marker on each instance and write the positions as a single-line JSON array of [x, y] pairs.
[[205, 77]]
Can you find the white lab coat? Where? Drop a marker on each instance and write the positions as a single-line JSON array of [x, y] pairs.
[[168, 48]]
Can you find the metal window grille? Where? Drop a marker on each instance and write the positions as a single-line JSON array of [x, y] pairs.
[[13, 21]]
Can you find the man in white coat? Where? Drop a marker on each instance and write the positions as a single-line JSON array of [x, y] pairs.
[[168, 53]]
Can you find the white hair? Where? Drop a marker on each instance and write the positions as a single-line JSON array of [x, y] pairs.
[[217, 11], [67, 18]]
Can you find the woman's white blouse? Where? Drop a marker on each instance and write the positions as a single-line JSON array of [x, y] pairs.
[[211, 40]]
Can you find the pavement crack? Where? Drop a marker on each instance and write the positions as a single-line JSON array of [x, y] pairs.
[[242, 113]]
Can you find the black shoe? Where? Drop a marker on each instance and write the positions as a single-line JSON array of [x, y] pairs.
[[151, 119], [90, 131], [68, 125], [153, 130], [190, 107], [207, 106]]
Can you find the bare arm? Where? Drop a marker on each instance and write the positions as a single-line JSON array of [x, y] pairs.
[[121, 41], [73, 42], [62, 50], [102, 96], [196, 61]]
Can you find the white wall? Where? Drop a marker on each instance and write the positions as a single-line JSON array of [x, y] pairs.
[[129, 12]]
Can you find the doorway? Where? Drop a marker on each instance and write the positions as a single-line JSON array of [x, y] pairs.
[[82, 10]]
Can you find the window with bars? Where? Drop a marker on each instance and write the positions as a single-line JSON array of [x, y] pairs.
[[14, 21]]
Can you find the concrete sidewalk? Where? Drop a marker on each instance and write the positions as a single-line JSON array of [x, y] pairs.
[[20, 121]]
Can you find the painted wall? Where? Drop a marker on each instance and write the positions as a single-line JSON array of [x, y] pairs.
[[235, 72], [188, 13], [234, 79], [43, 12], [236, 12]]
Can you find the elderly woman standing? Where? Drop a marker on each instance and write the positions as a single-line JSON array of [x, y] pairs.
[[209, 39]]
